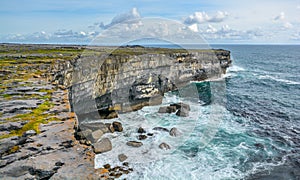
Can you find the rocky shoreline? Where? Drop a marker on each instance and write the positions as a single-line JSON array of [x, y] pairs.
[[40, 135], [36, 123]]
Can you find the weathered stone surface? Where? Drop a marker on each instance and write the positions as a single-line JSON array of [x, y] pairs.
[[117, 126], [182, 112], [134, 143], [164, 146], [15, 105], [96, 135], [175, 132], [122, 157], [12, 126], [94, 126], [102, 146], [130, 81], [29, 133]]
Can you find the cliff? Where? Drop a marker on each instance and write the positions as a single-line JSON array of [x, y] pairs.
[[108, 81]]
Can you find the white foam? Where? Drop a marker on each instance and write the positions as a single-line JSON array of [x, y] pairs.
[[277, 79], [235, 68]]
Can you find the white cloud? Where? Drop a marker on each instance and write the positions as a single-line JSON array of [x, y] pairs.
[[202, 17], [225, 32], [287, 25], [127, 17], [279, 17], [296, 36], [211, 29], [194, 27]]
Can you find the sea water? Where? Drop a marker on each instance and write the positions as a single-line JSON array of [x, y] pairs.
[[247, 126]]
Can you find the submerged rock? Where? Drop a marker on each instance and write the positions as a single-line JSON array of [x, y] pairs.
[[134, 143], [161, 129], [102, 146], [175, 132], [141, 130], [122, 157], [164, 146]]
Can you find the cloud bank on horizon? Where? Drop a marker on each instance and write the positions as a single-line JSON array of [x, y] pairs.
[[234, 22]]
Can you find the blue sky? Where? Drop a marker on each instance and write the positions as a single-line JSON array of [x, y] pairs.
[[218, 21]]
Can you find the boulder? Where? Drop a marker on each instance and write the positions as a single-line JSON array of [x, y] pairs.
[[167, 109], [134, 143], [174, 132], [142, 137], [164, 146], [94, 126], [84, 134], [182, 113], [141, 130], [110, 127], [95, 136], [117, 126], [122, 157], [181, 106], [102, 146]]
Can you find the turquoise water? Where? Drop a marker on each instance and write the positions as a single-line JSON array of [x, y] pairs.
[[243, 126]]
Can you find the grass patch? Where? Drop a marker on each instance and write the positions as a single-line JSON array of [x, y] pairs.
[[34, 118]]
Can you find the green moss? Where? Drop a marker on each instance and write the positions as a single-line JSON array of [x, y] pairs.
[[34, 118]]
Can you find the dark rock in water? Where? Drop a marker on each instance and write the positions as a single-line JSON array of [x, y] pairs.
[[134, 143], [102, 146], [122, 157], [182, 113], [106, 166], [125, 164], [142, 137], [181, 106], [161, 129], [117, 126], [164, 146], [259, 145], [175, 132], [167, 109], [141, 130], [110, 127], [149, 134], [29, 133]]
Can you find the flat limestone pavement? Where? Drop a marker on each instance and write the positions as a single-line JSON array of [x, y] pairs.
[[36, 124]]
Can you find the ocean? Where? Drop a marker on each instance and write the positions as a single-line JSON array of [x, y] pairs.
[[245, 125]]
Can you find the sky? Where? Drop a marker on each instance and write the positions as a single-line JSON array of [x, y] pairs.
[[217, 21]]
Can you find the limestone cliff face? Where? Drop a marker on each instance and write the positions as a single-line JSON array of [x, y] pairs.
[[129, 78]]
